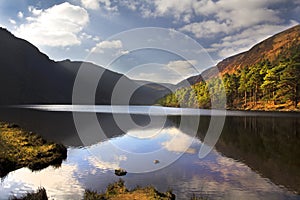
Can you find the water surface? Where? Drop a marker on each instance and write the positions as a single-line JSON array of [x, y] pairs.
[[256, 157]]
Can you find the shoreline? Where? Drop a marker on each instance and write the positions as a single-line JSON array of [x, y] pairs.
[[115, 191], [20, 148]]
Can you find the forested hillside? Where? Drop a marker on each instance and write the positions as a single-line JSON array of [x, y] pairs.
[[268, 84]]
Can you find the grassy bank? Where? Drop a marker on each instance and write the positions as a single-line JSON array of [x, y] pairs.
[[269, 106], [114, 191], [20, 148], [118, 190], [250, 106], [40, 194]]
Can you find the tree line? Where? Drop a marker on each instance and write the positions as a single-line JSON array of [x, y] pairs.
[[274, 82]]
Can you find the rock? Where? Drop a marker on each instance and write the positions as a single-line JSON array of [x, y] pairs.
[[11, 125], [156, 161], [120, 172]]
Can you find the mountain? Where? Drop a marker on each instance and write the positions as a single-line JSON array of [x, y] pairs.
[[266, 77], [270, 49], [28, 76], [279, 45]]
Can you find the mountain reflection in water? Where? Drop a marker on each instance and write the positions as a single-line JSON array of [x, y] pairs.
[[255, 157]]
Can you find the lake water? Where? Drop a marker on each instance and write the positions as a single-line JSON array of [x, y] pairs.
[[256, 156]]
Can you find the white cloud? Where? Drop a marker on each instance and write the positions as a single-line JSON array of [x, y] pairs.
[[130, 4], [234, 12], [244, 40], [56, 26], [97, 4], [177, 8], [96, 162], [214, 17], [206, 28], [180, 10], [104, 52], [107, 45], [12, 21], [179, 142], [175, 70], [246, 17], [247, 21], [111, 164], [90, 4], [114, 44], [96, 38], [204, 7], [124, 52], [154, 72], [20, 15], [34, 11], [183, 67], [85, 36], [230, 16], [55, 180]]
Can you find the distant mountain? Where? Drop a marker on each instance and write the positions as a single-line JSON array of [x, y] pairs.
[[28, 76], [272, 49], [267, 77], [279, 45]]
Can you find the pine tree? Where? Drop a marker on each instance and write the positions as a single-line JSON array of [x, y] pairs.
[[231, 86], [289, 84], [269, 84], [243, 84], [255, 80]]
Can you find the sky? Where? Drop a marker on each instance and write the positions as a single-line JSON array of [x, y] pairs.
[[100, 31]]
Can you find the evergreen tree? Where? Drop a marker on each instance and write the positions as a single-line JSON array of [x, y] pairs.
[[269, 84], [243, 84], [255, 80], [265, 80], [231, 86], [289, 84]]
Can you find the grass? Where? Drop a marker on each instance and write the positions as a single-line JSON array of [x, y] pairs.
[[194, 197], [20, 148], [114, 191], [39, 195], [269, 106], [118, 190]]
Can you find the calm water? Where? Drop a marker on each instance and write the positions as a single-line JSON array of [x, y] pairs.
[[256, 156]]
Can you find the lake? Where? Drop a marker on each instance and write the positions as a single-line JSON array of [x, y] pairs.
[[256, 155]]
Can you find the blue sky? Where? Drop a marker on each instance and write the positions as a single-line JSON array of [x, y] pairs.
[[76, 29]]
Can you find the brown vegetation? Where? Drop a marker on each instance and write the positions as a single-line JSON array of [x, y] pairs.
[[118, 190], [19, 148]]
